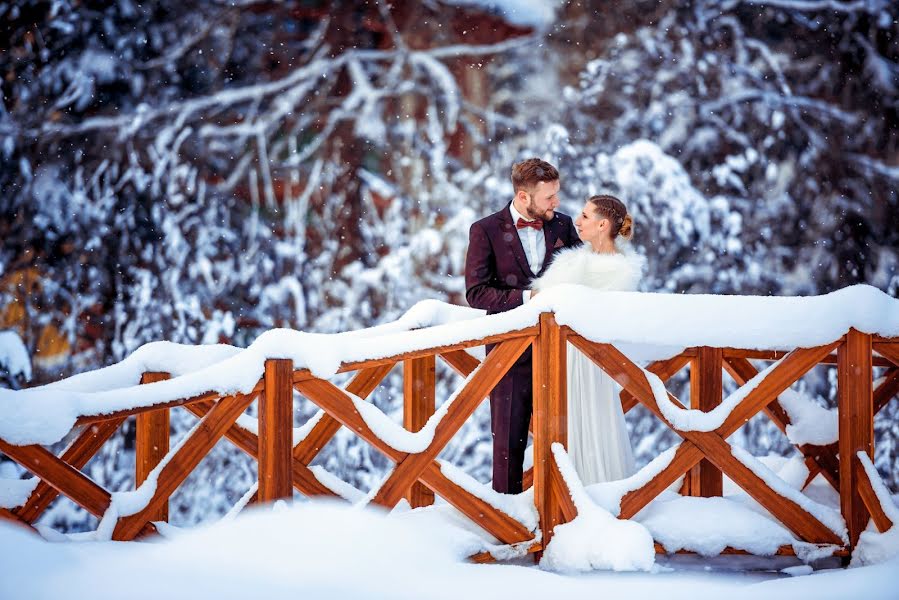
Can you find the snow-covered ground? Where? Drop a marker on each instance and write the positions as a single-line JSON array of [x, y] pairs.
[[320, 550]]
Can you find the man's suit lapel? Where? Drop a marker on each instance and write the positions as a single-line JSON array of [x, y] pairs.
[[551, 236], [510, 236]]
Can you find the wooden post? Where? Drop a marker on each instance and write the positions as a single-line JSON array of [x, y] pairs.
[[151, 442], [276, 432], [550, 419], [419, 395], [705, 394], [855, 404]]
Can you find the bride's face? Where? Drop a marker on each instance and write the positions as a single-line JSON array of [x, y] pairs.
[[591, 226]]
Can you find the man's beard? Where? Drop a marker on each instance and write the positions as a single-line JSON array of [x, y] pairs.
[[534, 214]]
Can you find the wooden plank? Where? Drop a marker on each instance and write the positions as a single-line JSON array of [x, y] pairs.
[[527, 478], [79, 452], [304, 480], [185, 460], [332, 399], [634, 501], [363, 384], [855, 407], [151, 441], [276, 432], [706, 389], [128, 412], [550, 419], [561, 491], [495, 522], [825, 460], [419, 396], [8, 515], [779, 379], [485, 558], [527, 332], [869, 497], [819, 459], [887, 390], [664, 369], [713, 446], [781, 551], [771, 355], [742, 371], [461, 361], [65, 478], [889, 351], [497, 363], [759, 354]]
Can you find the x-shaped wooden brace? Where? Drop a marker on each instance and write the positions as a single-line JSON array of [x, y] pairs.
[[77, 455], [712, 445], [819, 459], [304, 480], [214, 424], [822, 459], [825, 459], [423, 466]]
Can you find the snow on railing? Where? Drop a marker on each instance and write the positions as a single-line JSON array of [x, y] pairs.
[[664, 332]]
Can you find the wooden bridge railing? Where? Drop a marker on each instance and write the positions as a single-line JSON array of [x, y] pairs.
[[283, 465]]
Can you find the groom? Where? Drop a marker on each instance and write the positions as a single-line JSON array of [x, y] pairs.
[[506, 251]]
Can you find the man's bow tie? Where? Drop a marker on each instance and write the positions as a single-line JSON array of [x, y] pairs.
[[536, 224]]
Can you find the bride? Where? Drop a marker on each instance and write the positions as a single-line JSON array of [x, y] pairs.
[[597, 436]]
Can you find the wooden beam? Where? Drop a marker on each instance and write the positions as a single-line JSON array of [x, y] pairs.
[[527, 478], [887, 390], [771, 355], [562, 492], [419, 396], [825, 460], [461, 361], [795, 365], [65, 478], [869, 497], [527, 332], [485, 558], [304, 480], [128, 412], [634, 501], [276, 432], [8, 515], [741, 370], [363, 384], [706, 391], [334, 400], [151, 441], [664, 370], [781, 551], [79, 452], [779, 379], [889, 351], [497, 363], [550, 420], [503, 527], [185, 460], [855, 404], [713, 447]]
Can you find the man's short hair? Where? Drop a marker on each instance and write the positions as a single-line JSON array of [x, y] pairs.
[[528, 173]]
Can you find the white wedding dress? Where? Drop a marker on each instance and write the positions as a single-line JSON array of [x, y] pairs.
[[598, 443]]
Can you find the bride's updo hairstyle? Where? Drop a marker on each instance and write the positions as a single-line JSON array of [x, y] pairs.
[[613, 209]]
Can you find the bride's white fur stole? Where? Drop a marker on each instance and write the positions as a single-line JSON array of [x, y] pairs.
[[581, 265]]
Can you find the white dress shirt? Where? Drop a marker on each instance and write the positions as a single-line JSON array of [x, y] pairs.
[[534, 244]]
